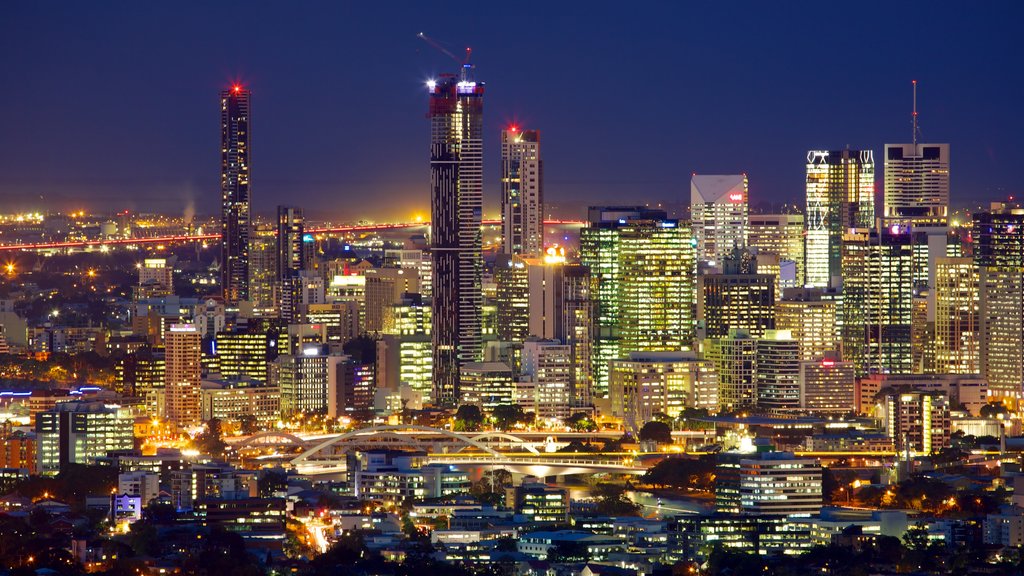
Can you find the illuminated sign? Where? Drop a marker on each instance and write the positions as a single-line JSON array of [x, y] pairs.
[[735, 197]]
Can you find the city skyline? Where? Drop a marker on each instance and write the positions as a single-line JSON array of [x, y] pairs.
[[733, 109]]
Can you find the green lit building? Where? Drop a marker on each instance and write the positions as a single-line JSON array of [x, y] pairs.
[[81, 432]]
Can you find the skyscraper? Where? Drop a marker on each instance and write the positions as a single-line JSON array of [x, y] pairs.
[[182, 374], [840, 196], [642, 270], [738, 299], [781, 234], [456, 180], [234, 187], [999, 255], [292, 254], [956, 316], [522, 192], [916, 181], [720, 211]]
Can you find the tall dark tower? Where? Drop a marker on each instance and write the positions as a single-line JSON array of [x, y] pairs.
[[456, 200], [291, 252], [234, 189]]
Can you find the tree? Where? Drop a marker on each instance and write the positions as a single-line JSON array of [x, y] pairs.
[[468, 418], [657, 432], [568, 551], [612, 501], [581, 422], [683, 473], [507, 415], [248, 424], [210, 441]]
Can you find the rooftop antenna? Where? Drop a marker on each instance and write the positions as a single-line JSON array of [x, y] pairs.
[[915, 112]]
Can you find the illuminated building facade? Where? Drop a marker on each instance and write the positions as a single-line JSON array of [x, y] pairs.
[[156, 278], [734, 358], [840, 196], [999, 256], [719, 210], [237, 401], [294, 247], [405, 360], [546, 379], [456, 179], [182, 375], [487, 385], [234, 187], [385, 287], [512, 298], [648, 383], [811, 319], [917, 421], [303, 379], [339, 319], [539, 502], [18, 450], [779, 484], [264, 286], [522, 192], [777, 371], [408, 317], [781, 234], [827, 386], [642, 268], [80, 432], [738, 299], [878, 297], [245, 355], [916, 184]]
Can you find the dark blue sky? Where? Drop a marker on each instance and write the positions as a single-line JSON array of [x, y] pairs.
[[114, 105]]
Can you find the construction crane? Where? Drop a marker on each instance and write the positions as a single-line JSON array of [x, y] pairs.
[[466, 66]]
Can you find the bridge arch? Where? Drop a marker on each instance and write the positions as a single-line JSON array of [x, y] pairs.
[[506, 436], [390, 431], [255, 439]]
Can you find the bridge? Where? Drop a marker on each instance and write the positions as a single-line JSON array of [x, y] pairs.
[[180, 238], [326, 454]]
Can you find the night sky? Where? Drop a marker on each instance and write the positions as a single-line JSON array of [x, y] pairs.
[[107, 105]]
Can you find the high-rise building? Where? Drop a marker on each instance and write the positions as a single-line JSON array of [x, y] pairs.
[[734, 358], [916, 184], [235, 149], [777, 371], [304, 379], [512, 298], [840, 196], [719, 210], [781, 234], [245, 354], [264, 286], [156, 278], [917, 421], [456, 179], [386, 287], [292, 251], [999, 255], [80, 432], [739, 299], [547, 369], [648, 383], [557, 304], [779, 484], [827, 385], [956, 317], [811, 319], [522, 192], [878, 298], [487, 385], [183, 375], [405, 361], [642, 270]]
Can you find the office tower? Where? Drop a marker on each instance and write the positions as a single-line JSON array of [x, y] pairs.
[[811, 319], [350, 387], [487, 385], [649, 383], [916, 181], [781, 234], [340, 320], [917, 421], [779, 484], [827, 385], [385, 287], [999, 255], [410, 316], [734, 359], [560, 308], [777, 371], [264, 286], [877, 301], [294, 246], [240, 401], [156, 278], [235, 148], [406, 361], [512, 298], [81, 432], [244, 355], [719, 210], [182, 374], [840, 196], [642, 270], [522, 192], [740, 298], [415, 259], [303, 289], [303, 379], [539, 502], [18, 450], [545, 385], [956, 317], [456, 179]]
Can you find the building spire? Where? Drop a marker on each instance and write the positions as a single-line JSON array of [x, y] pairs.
[[914, 115]]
